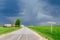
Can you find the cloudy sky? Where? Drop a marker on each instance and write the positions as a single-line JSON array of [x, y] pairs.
[[31, 12]]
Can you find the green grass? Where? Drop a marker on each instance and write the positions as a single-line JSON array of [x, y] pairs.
[[4, 30], [46, 32]]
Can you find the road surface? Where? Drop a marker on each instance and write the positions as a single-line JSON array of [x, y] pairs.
[[22, 34]]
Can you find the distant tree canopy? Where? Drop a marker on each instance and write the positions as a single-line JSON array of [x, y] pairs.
[[18, 23]]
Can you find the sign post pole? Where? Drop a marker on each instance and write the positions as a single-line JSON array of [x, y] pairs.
[[51, 23], [51, 28]]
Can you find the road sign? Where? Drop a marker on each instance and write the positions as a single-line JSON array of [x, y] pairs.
[[51, 23]]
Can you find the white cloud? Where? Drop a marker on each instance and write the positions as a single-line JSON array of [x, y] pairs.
[[48, 23], [41, 15]]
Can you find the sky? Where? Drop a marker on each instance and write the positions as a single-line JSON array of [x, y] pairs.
[[30, 12]]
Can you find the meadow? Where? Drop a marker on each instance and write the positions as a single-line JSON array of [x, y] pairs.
[[4, 30], [45, 31]]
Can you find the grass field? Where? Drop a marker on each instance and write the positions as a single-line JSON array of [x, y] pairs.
[[46, 32], [4, 30]]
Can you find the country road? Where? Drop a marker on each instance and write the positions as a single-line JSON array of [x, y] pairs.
[[22, 34]]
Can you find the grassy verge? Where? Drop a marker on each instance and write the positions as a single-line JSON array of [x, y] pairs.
[[45, 31], [4, 30]]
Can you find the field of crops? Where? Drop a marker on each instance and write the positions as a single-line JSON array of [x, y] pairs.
[[46, 31], [4, 30]]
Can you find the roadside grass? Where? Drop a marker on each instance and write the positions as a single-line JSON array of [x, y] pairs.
[[4, 30], [45, 31]]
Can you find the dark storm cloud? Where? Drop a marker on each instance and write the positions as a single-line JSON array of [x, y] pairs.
[[54, 2], [33, 12], [11, 8]]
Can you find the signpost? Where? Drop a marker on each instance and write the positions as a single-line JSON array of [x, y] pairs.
[[51, 23]]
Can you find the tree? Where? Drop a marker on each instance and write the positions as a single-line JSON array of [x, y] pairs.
[[17, 23]]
